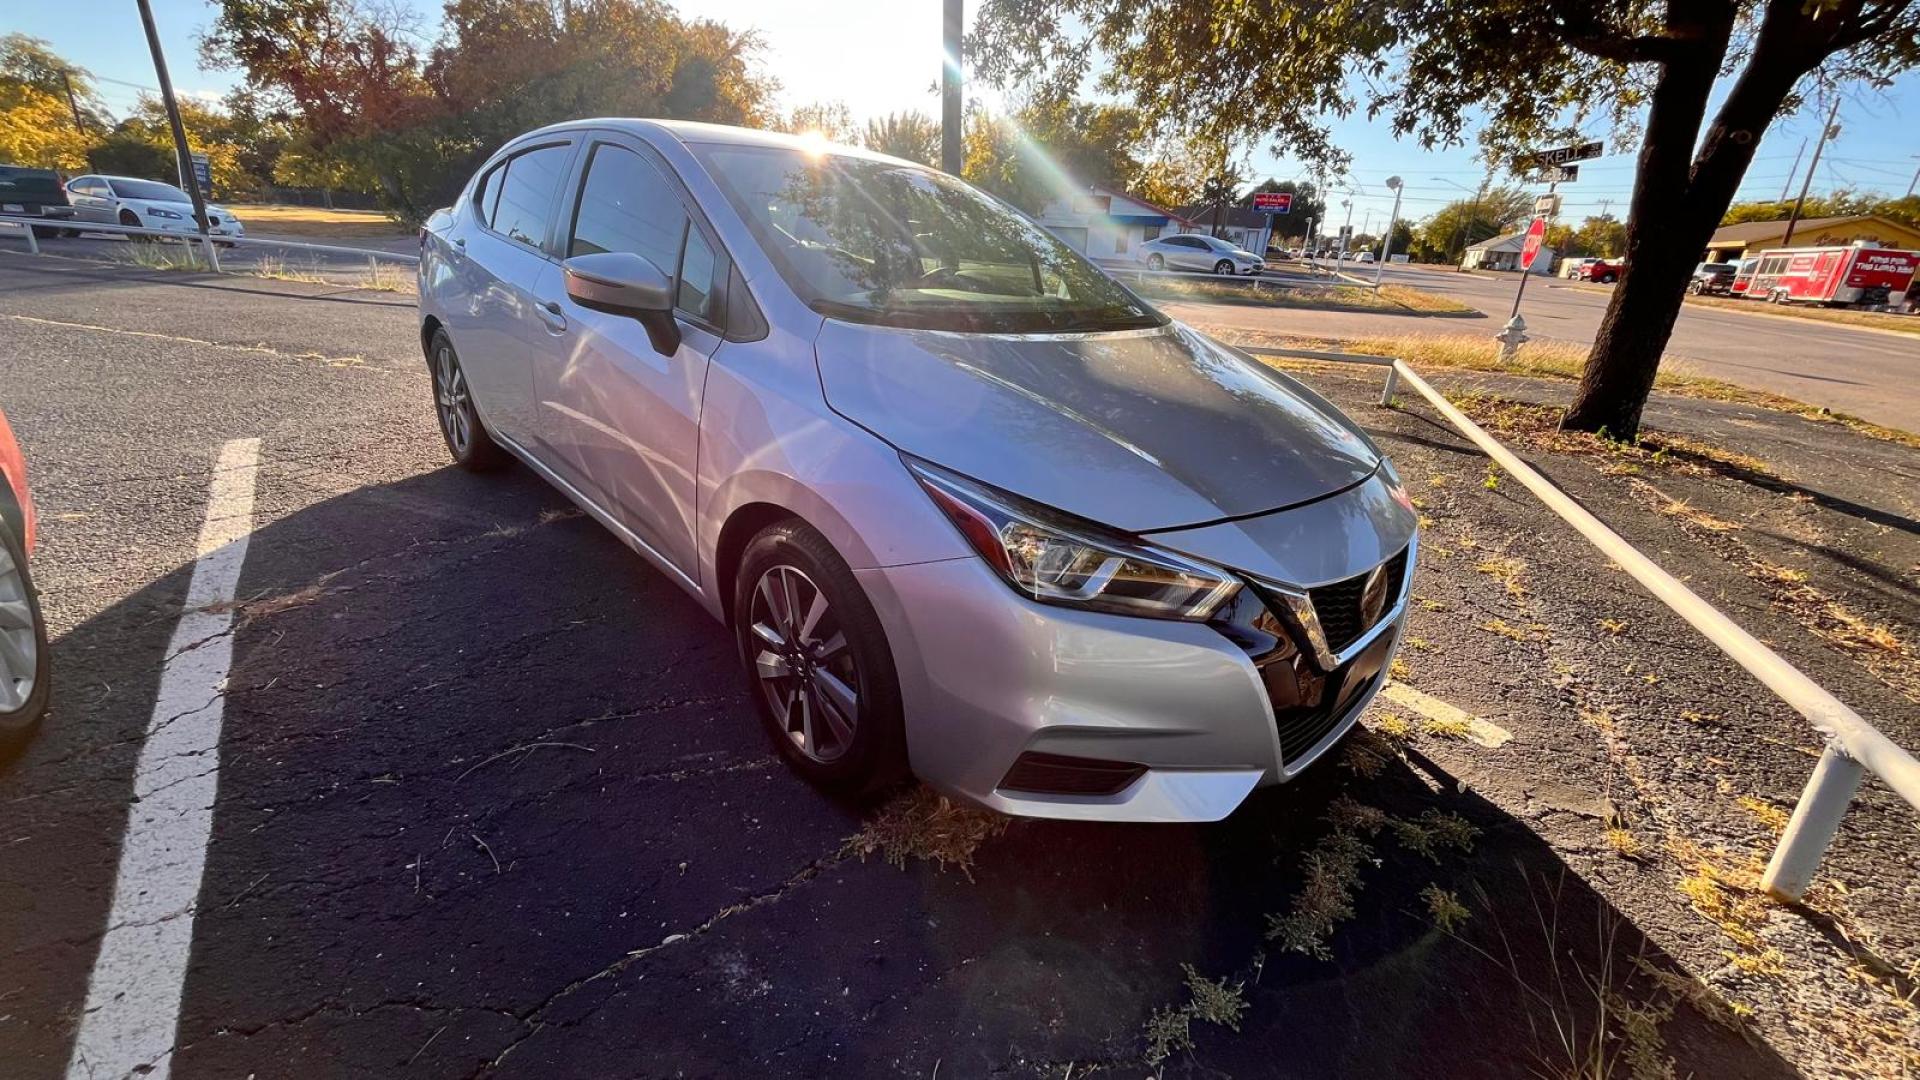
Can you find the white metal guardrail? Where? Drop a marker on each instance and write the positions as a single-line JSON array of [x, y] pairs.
[[1853, 746], [208, 245]]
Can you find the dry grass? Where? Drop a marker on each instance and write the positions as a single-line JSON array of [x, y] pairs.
[[1507, 570], [1624, 843], [317, 222], [1562, 361], [923, 824], [1879, 320], [1399, 299], [1503, 628]]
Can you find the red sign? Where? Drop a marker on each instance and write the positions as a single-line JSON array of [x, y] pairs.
[[1530, 250], [1273, 202]]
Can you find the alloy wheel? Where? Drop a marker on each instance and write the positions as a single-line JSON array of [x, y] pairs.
[[19, 647], [803, 663], [1223, 267], [452, 401]]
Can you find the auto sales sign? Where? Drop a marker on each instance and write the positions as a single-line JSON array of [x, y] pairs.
[[1273, 202]]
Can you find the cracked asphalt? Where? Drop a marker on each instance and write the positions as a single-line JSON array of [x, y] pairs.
[[492, 800]]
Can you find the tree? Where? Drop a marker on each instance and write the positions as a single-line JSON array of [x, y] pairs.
[[38, 121], [912, 135], [1602, 236], [1645, 67], [830, 118], [1462, 223]]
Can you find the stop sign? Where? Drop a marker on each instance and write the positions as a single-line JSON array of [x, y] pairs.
[[1530, 250]]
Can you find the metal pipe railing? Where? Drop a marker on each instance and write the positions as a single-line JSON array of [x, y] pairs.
[[209, 244], [1853, 745]]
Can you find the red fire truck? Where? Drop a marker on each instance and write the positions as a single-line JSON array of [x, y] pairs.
[[1835, 276]]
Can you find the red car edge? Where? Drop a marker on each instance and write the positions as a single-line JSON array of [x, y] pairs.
[[24, 686]]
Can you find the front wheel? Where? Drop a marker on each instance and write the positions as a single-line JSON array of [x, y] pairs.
[[468, 440], [24, 683], [1223, 267], [817, 659]]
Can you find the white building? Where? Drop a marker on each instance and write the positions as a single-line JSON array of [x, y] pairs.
[[1104, 224], [1503, 253]]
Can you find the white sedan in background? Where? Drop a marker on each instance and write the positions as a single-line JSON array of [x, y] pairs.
[[1194, 251], [147, 204]]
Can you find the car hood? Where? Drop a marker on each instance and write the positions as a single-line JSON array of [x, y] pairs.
[[1138, 430]]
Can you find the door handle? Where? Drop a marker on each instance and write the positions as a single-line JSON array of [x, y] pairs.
[[550, 314]]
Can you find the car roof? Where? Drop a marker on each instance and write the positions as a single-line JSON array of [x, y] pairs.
[[693, 133]]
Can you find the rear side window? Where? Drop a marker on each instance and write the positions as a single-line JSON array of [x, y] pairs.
[[487, 193], [527, 192]]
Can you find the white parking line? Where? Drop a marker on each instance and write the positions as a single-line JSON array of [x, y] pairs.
[[133, 996], [1487, 734]]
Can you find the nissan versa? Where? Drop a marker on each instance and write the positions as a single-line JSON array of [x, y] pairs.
[[970, 508]]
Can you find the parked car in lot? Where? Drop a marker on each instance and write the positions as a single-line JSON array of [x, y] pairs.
[[145, 204], [1192, 251], [969, 506], [1712, 279], [1604, 271], [34, 193], [24, 683]]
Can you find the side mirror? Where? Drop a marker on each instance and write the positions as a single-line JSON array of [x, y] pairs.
[[622, 283]]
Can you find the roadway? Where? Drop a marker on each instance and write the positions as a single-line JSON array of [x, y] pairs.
[[1867, 373]]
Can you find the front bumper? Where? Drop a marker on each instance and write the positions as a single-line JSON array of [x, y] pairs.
[[999, 689]]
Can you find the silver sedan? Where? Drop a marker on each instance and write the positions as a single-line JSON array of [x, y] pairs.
[[970, 508], [1193, 251]]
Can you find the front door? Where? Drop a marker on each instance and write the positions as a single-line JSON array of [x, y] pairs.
[[622, 417]]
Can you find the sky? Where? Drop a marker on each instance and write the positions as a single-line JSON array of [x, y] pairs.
[[880, 56]]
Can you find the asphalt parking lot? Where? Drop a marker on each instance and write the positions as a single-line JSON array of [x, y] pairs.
[[491, 799]]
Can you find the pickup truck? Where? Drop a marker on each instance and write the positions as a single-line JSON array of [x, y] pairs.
[[34, 193], [1604, 271]]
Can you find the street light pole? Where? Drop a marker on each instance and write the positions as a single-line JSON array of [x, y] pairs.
[[182, 156], [951, 20]]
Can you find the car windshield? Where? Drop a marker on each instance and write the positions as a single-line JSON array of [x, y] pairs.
[[878, 242], [151, 190]]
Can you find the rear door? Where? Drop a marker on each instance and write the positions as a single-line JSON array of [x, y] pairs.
[[501, 245], [624, 419], [90, 200]]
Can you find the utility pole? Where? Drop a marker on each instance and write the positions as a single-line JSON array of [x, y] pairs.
[[1787, 184], [1466, 227], [183, 157], [951, 20], [73, 103], [1828, 131], [1915, 182]]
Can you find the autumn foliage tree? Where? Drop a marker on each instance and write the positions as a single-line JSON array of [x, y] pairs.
[[1531, 72]]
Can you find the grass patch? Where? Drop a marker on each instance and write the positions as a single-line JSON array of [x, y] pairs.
[[1444, 908], [1397, 299], [318, 221], [1879, 320], [1562, 361], [924, 824]]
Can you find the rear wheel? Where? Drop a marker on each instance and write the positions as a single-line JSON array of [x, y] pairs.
[[1155, 262], [817, 658], [45, 232], [24, 685], [468, 440], [1224, 266]]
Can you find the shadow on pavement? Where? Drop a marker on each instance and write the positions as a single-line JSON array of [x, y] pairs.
[[492, 800]]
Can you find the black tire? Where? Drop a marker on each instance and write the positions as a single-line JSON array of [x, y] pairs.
[[71, 234], [466, 436], [45, 232], [1224, 266], [1606, 279], [132, 221], [1155, 262], [17, 725], [874, 758]]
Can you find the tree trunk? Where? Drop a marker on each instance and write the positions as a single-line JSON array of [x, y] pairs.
[[1664, 240], [1678, 203]]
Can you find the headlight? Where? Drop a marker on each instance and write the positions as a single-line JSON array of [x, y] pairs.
[[1049, 557], [168, 214]]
